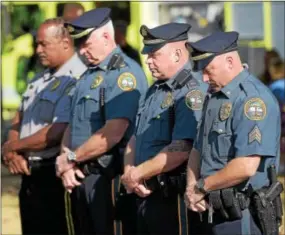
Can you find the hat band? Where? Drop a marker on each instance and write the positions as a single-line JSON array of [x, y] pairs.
[[153, 41], [201, 57], [82, 34]]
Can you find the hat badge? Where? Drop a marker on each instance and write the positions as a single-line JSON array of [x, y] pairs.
[[143, 31], [70, 29]]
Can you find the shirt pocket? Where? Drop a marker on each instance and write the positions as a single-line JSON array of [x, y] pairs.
[[90, 108], [26, 98], [160, 126], [220, 140], [47, 104]]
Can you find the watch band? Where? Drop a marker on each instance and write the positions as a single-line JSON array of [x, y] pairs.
[[200, 186], [71, 156]]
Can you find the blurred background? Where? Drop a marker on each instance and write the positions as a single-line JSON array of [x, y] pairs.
[[260, 24]]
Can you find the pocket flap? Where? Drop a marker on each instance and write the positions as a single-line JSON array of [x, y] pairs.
[[50, 96], [90, 96], [219, 127]]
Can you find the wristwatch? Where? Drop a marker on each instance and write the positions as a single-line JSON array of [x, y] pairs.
[[200, 186], [71, 156]]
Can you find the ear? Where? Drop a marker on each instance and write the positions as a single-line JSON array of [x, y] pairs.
[[178, 54], [66, 43], [106, 35], [229, 60]]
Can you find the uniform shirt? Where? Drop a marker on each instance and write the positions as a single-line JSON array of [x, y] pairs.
[[123, 88], [153, 130], [240, 120], [46, 101]]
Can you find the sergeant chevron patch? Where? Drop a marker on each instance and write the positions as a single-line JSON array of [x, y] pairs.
[[255, 134]]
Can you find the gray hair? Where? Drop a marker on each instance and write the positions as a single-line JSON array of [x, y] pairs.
[[58, 22]]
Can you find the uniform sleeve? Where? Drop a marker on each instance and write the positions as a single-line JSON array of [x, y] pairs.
[[62, 110], [256, 127], [187, 115], [124, 98]]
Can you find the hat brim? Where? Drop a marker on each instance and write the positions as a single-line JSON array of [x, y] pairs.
[[202, 64], [152, 48]]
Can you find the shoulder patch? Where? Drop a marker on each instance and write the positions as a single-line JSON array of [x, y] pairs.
[[55, 85], [194, 100], [255, 109], [97, 81], [127, 81], [255, 134], [225, 111]]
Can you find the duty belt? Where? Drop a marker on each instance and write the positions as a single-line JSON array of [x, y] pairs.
[[38, 162], [167, 182]]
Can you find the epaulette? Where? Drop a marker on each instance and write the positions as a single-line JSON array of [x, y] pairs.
[[182, 79], [116, 62]]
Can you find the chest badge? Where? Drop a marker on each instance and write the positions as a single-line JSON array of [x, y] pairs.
[[194, 100], [55, 85], [96, 82], [168, 101], [225, 111]]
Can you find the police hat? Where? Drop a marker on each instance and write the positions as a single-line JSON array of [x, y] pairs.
[[205, 50], [88, 22], [157, 37]]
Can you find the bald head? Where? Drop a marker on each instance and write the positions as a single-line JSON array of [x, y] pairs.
[[54, 45], [168, 60], [222, 70]]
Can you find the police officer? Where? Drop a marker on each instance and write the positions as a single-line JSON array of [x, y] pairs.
[[237, 138], [166, 127], [37, 129], [103, 114]]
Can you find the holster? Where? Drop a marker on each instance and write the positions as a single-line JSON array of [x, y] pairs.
[[231, 203], [216, 201], [265, 211]]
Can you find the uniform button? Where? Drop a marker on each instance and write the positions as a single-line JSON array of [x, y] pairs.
[[228, 92], [220, 130], [162, 183], [92, 164]]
